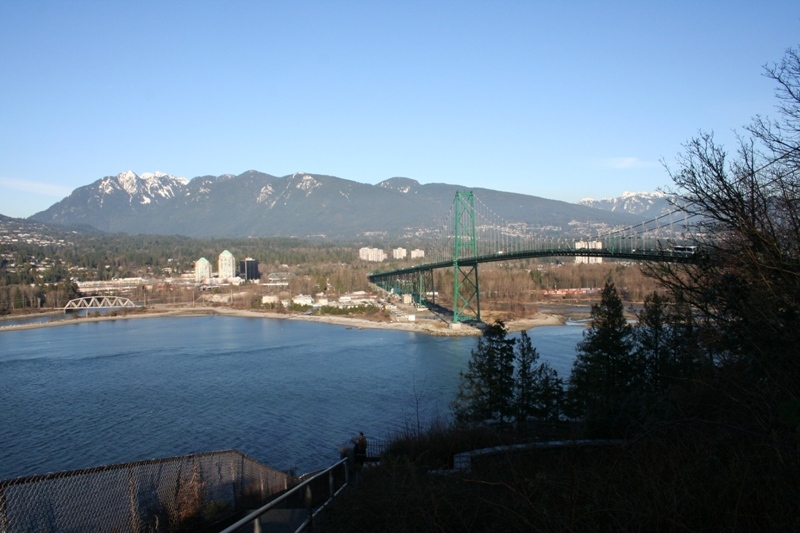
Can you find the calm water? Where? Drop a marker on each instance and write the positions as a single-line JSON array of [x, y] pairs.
[[282, 391]]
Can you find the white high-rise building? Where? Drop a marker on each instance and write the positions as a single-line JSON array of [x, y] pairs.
[[371, 254], [415, 254], [399, 253], [588, 245], [227, 265], [202, 270]]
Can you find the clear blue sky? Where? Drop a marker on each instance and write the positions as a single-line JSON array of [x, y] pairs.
[[562, 100]]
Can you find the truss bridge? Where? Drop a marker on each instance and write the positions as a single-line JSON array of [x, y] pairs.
[[99, 302]]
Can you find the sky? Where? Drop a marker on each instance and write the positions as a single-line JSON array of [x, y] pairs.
[[562, 100]]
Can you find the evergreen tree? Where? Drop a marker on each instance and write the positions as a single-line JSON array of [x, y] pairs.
[[666, 344], [4, 299], [538, 389], [548, 393], [605, 370], [18, 300], [525, 381], [652, 343], [487, 387]]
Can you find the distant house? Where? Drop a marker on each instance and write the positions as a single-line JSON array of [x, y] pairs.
[[303, 299]]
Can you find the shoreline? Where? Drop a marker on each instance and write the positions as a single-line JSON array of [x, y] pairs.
[[425, 326]]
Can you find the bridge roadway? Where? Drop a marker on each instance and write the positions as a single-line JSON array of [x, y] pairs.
[[418, 280], [634, 255]]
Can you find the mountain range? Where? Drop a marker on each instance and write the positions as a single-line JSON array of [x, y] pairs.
[[648, 205], [255, 204]]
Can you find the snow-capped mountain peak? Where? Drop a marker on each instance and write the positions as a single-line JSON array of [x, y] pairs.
[[128, 180], [143, 189], [635, 203]]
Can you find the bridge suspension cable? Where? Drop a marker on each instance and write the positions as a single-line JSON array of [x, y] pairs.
[[474, 234], [496, 235]]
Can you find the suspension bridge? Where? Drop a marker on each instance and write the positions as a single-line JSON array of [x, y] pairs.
[[477, 235]]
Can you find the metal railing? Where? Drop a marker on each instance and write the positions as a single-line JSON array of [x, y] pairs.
[[375, 449], [178, 493], [297, 508]]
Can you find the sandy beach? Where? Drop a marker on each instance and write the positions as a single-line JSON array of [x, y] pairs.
[[430, 327]]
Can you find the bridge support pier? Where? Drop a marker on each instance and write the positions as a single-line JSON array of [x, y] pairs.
[[426, 293], [418, 284]]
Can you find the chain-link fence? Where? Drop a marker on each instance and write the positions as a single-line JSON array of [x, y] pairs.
[[184, 493]]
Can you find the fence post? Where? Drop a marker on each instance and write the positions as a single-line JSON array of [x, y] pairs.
[[310, 506], [133, 500], [4, 527], [235, 478]]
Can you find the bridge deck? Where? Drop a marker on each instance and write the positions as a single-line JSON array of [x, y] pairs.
[[635, 255]]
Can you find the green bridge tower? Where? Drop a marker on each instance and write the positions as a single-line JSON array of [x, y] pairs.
[[466, 297]]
